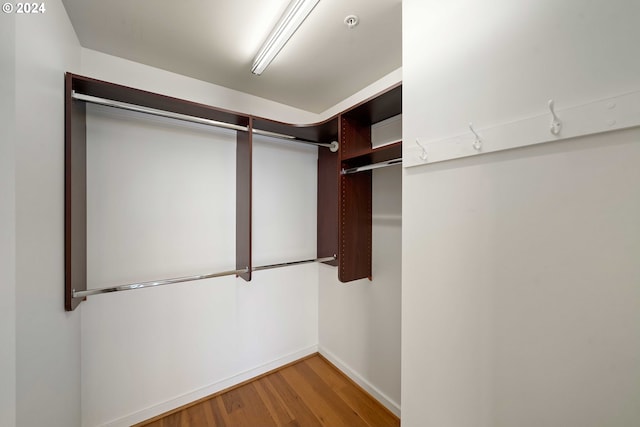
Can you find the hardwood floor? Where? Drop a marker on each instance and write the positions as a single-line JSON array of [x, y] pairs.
[[310, 392]]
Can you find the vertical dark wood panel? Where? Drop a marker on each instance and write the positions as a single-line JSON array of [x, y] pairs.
[[355, 200], [355, 226], [75, 251], [344, 202], [355, 137], [328, 208], [243, 201]]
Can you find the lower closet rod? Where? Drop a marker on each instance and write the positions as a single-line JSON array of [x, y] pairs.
[[333, 146], [286, 264], [131, 286], [372, 166]]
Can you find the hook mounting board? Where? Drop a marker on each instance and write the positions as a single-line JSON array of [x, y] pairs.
[[615, 113]]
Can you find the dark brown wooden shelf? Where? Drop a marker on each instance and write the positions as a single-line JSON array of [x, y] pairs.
[[344, 201], [375, 155], [379, 107], [75, 169], [115, 92], [75, 198], [323, 132]]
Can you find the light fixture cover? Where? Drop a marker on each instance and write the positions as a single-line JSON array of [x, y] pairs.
[[293, 16]]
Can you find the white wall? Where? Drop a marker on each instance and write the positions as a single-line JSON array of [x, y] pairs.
[[273, 320], [122, 71], [118, 70], [374, 88], [7, 223], [44, 367], [48, 338], [520, 292], [360, 321], [161, 204]]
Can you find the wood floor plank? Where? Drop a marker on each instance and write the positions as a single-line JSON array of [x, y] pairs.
[[212, 414], [274, 403], [232, 406], [157, 423], [301, 412], [246, 409], [194, 416], [320, 398], [233, 401], [368, 409], [173, 420], [308, 393], [219, 405], [364, 404], [256, 410]]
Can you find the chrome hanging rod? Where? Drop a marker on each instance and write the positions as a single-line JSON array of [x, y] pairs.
[[155, 283], [152, 284], [154, 112], [333, 146], [286, 264], [372, 166]]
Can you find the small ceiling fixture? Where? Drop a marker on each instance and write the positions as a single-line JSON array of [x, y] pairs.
[[293, 16], [351, 21]]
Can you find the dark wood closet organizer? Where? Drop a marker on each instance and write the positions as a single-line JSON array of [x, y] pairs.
[[344, 201]]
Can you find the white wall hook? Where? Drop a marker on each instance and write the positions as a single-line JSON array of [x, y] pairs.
[[477, 144], [556, 124], [423, 156]]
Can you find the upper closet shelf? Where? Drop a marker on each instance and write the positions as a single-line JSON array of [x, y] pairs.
[[333, 145], [619, 112]]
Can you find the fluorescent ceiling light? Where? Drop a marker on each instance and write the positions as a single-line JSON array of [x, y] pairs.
[[293, 16]]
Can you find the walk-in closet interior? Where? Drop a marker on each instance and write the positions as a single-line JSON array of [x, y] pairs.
[[179, 206], [439, 199]]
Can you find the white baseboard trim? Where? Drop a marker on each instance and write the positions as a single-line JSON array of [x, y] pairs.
[[187, 398], [389, 403]]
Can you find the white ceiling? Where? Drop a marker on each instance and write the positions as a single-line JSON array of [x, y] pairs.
[[216, 40]]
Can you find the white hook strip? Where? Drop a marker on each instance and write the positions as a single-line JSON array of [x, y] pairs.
[[604, 115]]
